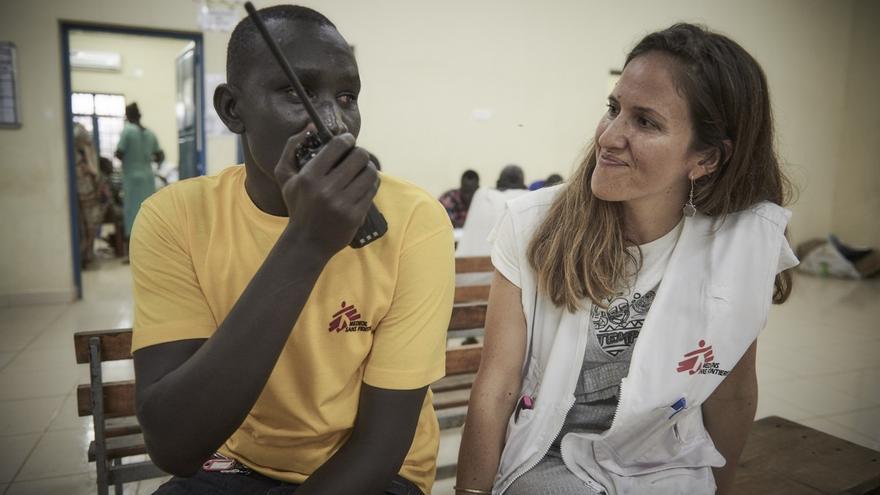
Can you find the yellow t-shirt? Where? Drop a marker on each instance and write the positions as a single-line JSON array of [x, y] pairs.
[[377, 315]]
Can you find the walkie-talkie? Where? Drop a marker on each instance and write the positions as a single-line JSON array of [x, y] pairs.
[[374, 225]]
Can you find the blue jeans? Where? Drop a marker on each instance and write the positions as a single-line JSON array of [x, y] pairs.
[[253, 483]]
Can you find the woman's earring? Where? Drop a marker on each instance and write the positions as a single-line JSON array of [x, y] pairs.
[[689, 208]]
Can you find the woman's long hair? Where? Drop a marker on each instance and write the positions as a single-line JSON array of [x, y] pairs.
[[580, 250]]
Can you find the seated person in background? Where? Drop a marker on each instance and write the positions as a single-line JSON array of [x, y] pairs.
[[268, 353], [486, 208], [552, 180], [458, 201]]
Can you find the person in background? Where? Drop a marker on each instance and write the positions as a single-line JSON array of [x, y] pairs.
[[595, 376], [511, 177], [552, 180], [91, 192], [458, 201], [138, 148], [486, 208], [114, 207]]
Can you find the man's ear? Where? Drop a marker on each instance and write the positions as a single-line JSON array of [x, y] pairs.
[[225, 99]]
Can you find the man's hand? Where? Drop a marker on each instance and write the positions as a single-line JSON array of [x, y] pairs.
[[329, 197]]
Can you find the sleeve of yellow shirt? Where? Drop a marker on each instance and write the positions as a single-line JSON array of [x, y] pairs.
[[169, 304], [409, 344]]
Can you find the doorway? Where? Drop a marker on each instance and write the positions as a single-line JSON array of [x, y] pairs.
[[105, 68]]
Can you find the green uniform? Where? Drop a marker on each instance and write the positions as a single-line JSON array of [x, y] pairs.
[[138, 145]]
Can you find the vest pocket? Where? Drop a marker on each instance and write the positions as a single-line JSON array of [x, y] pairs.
[[673, 481], [677, 442]]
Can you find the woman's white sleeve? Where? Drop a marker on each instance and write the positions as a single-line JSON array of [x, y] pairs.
[[506, 251]]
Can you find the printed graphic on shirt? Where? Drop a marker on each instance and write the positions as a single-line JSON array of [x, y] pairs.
[[348, 319], [618, 327], [702, 361]]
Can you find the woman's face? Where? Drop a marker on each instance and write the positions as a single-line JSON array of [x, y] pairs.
[[643, 142]]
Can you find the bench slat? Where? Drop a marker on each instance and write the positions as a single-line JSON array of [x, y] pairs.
[[454, 398], [471, 293], [467, 316], [454, 382], [463, 359], [118, 447], [115, 344], [118, 427], [473, 264], [118, 399]]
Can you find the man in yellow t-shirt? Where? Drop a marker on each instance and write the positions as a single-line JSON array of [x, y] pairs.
[[269, 355]]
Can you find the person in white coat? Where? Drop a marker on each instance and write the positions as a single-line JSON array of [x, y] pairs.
[[621, 331], [486, 209]]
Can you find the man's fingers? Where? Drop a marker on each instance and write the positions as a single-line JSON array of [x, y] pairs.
[[365, 184], [350, 167], [286, 166], [331, 154]]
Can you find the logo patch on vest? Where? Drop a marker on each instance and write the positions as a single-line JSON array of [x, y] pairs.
[[348, 319], [702, 361]]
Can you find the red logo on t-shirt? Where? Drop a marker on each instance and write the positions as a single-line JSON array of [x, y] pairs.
[[348, 319]]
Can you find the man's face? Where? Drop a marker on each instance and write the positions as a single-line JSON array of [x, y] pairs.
[[469, 185], [268, 106]]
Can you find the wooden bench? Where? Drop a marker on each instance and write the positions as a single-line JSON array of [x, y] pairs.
[[112, 407], [781, 456], [112, 404]]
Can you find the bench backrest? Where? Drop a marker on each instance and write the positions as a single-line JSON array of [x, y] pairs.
[[119, 396]]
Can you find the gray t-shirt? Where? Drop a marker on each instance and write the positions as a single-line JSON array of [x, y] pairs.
[[613, 334]]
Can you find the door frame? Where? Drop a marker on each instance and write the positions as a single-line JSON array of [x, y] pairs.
[[65, 28]]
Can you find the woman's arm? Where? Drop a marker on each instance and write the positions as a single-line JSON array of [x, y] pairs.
[[728, 415], [496, 388]]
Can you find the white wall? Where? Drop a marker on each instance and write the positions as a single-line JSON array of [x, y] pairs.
[[147, 77], [856, 217], [541, 67]]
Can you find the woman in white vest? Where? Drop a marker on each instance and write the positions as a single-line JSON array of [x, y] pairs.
[[620, 338]]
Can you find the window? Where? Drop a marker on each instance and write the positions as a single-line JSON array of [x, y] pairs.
[[103, 115]]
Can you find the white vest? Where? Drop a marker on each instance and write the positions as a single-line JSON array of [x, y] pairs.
[[710, 306]]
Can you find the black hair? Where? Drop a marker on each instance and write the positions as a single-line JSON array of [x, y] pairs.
[[511, 177], [132, 112], [245, 35], [552, 180], [470, 175]]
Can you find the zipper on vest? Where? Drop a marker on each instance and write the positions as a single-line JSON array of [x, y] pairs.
[[619, 403], [544, 451]]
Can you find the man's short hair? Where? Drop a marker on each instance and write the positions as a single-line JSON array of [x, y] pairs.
[[511, 177], [470, 175], [245, 35]]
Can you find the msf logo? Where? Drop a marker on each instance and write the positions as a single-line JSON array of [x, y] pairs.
[[694, 360], [348, 319]]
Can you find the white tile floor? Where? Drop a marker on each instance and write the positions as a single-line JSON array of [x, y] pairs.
[[819, 364]]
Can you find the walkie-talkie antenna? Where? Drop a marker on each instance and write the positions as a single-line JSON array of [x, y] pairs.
[[324, 134]]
